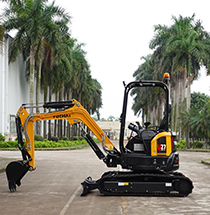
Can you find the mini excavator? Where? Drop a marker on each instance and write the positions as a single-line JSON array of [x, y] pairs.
[[148, 161]]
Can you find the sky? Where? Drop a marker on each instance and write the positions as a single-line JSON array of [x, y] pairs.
[[117, 34]]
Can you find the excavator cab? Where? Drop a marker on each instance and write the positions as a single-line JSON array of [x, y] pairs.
[[140, 137], [152, 146]]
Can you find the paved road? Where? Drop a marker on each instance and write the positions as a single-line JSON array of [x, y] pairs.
[[54, 188]]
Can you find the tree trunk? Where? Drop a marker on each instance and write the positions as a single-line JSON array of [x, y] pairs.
[[38, 79], [174, 101], [189, 82], [55, 122], [45, 123], [188, 99], [32, 66], [187, 137], [64, 121], [160, 107], [49, 121], [60, 121]]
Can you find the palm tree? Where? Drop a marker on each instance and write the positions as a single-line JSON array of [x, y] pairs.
[[148, 101], [191, 48], [186, 123], [200, 123], [30, 18], [181, 49], [94, 101], [141, 100]]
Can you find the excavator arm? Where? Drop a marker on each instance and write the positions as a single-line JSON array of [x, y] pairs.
[[74, 112]]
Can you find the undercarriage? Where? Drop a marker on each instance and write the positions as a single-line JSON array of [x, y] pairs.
[[116, 183]]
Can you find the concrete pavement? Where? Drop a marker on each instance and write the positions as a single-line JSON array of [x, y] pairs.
[[54, 188]]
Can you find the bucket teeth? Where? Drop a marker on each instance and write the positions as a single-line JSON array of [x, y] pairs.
[[12, 186]]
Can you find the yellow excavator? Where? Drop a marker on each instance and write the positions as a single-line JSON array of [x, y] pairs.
[[149, 159]]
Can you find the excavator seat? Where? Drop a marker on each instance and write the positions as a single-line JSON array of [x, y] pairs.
[[141, 144]]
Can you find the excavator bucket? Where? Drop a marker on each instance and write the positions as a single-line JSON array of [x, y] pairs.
[[15, 172]]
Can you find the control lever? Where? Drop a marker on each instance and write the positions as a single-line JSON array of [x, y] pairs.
[[133, 127]]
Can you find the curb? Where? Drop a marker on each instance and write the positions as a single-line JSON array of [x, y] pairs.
[[193, 150], [205, 162]]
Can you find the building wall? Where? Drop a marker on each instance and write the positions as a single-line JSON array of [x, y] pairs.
[[14, 88], [112, 129]]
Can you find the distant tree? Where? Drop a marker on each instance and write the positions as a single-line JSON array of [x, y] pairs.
[[186, 123], [103, 119], [198, 100], [200, 122], [111, 118], [181, 49]]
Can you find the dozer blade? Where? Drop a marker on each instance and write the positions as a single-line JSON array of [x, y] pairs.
[[88, 184], [15, 172]]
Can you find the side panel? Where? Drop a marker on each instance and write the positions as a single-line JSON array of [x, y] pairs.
[[164, 147]]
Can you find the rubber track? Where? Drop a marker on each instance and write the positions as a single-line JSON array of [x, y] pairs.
[[115, 175]]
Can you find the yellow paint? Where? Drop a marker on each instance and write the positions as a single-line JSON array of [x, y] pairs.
[[168, 144], [75, 114]]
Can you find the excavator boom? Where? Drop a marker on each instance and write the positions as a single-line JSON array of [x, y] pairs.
[[73, 112]]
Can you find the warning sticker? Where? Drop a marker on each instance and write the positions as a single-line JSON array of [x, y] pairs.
[[138, 147], [120, 184]]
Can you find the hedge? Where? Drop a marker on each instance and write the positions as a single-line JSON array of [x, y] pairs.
[[46, 143], [197, 144], [2, 137]]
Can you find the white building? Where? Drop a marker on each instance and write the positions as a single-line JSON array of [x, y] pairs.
[[14, 90], [112, 129]]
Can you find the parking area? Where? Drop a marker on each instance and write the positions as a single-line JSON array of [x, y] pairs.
[[54, 188]]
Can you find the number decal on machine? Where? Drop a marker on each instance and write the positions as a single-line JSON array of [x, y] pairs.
[[161, 148]]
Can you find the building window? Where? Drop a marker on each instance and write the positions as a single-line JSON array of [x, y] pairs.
[[12, 124]]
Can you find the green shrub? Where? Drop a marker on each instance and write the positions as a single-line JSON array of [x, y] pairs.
[[38, 137], [78, 138], [198, 144], [54, 139], [8, 144], [75, 138], [181, 144], [49, 143], [2, 137], [65, 138]]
